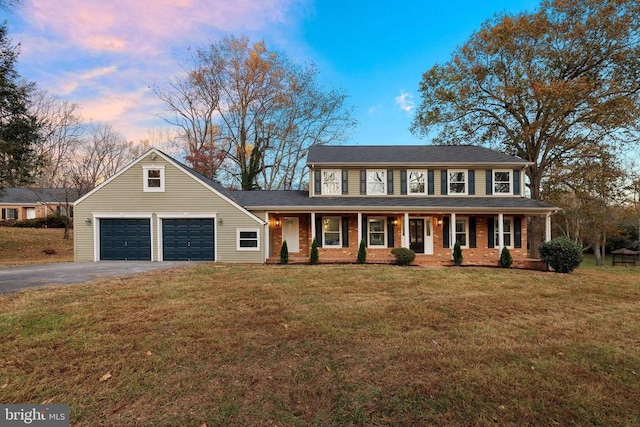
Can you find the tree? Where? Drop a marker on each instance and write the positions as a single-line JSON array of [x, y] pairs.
[[544, 86], [102, 152], [19, 131], [251, 114]]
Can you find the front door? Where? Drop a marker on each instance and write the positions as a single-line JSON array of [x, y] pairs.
[[428, 236], [290, 233], [416, 235]]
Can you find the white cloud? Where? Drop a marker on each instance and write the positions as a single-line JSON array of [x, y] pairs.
[[405, 101]]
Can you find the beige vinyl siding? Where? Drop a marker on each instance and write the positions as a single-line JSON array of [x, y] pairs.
[[481, 182], [437, 185], [183, 196]]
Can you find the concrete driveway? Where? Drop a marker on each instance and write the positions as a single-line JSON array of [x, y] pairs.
[[16, 278]]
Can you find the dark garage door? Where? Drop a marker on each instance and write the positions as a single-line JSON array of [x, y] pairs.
[[125, 239], [187, 239]]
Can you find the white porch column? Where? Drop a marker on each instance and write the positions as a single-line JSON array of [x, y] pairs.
[[359, 228], [313, 225], [452, 232], [500, 232], [547, 228], [405, 236], [267, 249]]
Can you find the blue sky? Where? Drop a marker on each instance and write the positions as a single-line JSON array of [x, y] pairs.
[[105, 54]]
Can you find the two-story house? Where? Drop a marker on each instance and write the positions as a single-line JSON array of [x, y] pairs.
[[421, 197]]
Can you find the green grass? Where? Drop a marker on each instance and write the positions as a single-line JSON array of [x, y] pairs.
[[330, 345]]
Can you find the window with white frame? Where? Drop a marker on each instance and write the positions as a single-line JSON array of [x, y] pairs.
[[153, 178], [378, 232], [377, 181], [248, 239], [457, 181], [507, 231], [332, 231], [332, 181], [501, 182], [462, 232], [9, 213], [417, 182]]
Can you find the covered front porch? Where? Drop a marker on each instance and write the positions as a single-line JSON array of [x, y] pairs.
[[481, 235]]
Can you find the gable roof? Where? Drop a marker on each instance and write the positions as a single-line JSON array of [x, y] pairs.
[[212, 185], [408, 155], [290, 200], [36, 196]]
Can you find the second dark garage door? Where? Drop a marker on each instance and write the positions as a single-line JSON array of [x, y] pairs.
[[188, 239]]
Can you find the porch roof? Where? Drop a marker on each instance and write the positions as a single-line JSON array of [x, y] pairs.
[[299, 201]]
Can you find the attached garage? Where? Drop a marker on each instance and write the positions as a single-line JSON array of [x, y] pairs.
[[125, 239], [188, 239]]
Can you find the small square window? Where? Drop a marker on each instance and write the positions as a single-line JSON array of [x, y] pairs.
[[248, 240], [153, 178]]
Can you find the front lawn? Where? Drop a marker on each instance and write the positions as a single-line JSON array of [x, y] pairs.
[[21, 246], [330, 345]]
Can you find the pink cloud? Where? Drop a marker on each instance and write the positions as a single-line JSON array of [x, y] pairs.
[[149, 25]]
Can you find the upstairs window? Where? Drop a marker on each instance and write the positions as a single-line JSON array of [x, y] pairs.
[[417, 182], [457, 181], [376, 182], [331, 182], [501, 182], [153, 178]]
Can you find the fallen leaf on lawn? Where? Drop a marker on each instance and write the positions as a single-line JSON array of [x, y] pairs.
[[203, 425], [3, 386], [46, 402], [149, 353], [105, 377]]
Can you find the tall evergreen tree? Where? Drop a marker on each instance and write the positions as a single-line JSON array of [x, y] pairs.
[[19, 129]]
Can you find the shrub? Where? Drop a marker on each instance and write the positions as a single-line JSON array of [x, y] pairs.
[[561, 254], [505, 258], [57, 221], [284, 253], [30, 223], [313, 258], [362, 252], [404, 256], [457, 253]]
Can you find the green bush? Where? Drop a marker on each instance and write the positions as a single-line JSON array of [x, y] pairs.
[[284, 253], [30, 223], [314, 256], [457, 253], [56, 221], [362, 252], [404, 256], [505, 258], [561, 254]]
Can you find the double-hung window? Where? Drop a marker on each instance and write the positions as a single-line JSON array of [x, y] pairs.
[[378, 232], [332, 182], [9, 213], [248, 239], [153, 178], [507, 231], [457, 181], [417, 181], [332, 231], [502, 182], [376, 181], [462, 232]]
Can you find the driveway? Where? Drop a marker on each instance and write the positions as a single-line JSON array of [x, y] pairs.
[[16, 278]]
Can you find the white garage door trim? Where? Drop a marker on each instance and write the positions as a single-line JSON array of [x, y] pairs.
[[96, 228], [170, 215]]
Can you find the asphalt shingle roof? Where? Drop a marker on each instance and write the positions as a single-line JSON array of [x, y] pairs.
[[291, 200], [407, 154], [34, 196]]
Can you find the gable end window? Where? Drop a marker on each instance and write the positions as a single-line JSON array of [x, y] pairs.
[[457, 181], [153, 179], [331, 181], [502, 182], [376, 182], [248, 239], [417, 181]]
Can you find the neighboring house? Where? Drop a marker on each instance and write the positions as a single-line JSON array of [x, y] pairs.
[[422, 197], [29, 203]]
